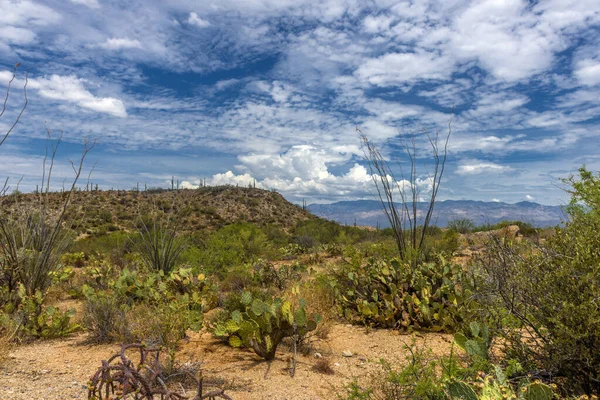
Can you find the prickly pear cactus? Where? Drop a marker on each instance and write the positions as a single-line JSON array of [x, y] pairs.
[[536, 391], [477, 345], [461, 391], [263, 324], [395, 295]]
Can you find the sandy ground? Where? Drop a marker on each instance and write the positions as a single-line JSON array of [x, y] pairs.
[[60, 369]]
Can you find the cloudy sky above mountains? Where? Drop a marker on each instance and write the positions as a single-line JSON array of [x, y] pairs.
[[273, 90]]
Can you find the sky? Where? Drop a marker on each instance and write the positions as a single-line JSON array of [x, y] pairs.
[[272, 91]]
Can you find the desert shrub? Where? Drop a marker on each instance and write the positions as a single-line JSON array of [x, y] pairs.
[[114, 245], [31, 245], [275, 235], [233, 245], [263, 324], [314, 232], [546, 298], [447, 243], [104, 316], [76, 259], [429, 378], [461, 225], [266, 274], [323, 366], [391, 294], [525, 228], [164, 323], [237, 279], [159, 242], [148, 306]]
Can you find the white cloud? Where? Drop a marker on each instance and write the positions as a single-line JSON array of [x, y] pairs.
[[194, 19], [401, 68], [588, 71], [478, 167], [529, 198], [14, 35], [27, 14], [121, 43], [229, 178], [495, 200], [72, 89]]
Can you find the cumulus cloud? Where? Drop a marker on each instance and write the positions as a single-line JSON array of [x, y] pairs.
[[529, 198], [229, 178], [297, 77]]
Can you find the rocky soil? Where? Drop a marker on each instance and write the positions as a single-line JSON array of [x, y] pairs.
[[60, 369]]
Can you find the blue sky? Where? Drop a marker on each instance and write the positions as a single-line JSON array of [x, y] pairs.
[[273, 90]]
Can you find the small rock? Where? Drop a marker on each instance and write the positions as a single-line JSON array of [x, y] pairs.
[[347, 353], [318, 355], [362, 358], [336, 364]]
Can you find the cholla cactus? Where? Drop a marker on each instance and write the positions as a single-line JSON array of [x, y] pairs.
[[263, 324]]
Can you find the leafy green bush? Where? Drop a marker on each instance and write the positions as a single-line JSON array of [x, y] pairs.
[[462, 225], [233, 245], [261, 325], [433, 296], [549, 294]]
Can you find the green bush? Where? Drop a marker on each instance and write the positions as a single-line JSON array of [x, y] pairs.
[[432, 296], [233, 245], [550, 294], [462, 225]]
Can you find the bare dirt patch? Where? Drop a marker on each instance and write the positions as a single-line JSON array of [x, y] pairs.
[[60, 369]]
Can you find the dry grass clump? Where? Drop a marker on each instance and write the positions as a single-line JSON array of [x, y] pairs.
[[323, 366]]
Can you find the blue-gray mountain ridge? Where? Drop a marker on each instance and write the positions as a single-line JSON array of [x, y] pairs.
[[370, 213]]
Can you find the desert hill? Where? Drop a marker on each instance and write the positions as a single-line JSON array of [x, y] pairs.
[[205, 208]]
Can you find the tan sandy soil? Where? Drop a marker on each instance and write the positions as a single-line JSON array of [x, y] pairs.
[[60, 369]]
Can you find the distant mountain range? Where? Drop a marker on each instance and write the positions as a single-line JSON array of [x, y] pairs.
[[370, 213]]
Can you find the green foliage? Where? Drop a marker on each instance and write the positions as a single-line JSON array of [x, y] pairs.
[[262, 324], [432, 296], [462, 225], [233, 245], [36, 320], [550, 293], [159, 242], [267, 275], [526, 229], [424, 377], [476, 342], [461, 391], [419, 379], [148, 306], [76, 259]]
